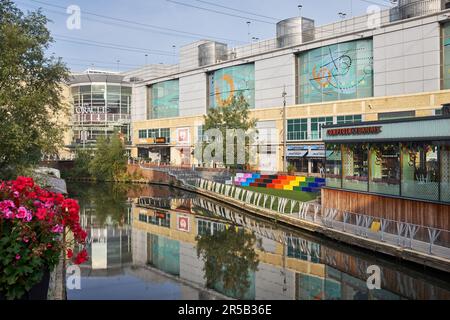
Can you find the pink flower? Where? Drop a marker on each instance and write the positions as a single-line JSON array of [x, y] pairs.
[[28, 216], [16, 194], [9, 214], [21, 213], [18, 256], [57, 229], [6, 205]]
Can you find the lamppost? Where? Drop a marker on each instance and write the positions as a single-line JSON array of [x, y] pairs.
[[284, 94]]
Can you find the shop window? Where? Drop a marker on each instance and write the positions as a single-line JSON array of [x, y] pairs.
[[445, 172], [349, 119], [297, 129], [396, 115], [316, 126], [420, 171], [333, 166], [355, 167], [142, 134], [385, 169]]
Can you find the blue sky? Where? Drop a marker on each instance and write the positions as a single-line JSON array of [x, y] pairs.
[[167, 14]]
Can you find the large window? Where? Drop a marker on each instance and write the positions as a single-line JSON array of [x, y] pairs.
[[445, 172], [155, 133], [385, 169], [165, 99], [349, 119], [226, 83], [396, 115], [316, 126], [355, 167], [297, 129], [420, 171], [142, 134], [336, 72], [333, 166]]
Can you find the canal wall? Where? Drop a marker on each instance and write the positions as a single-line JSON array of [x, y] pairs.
[[429, 260]]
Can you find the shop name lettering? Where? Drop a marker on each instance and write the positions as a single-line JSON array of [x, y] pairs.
[[354, 131]]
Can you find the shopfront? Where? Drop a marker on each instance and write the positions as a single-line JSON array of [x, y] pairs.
[[407, 158], [307, 158]]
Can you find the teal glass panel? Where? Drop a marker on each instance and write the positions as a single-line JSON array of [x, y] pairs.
[[164, 254], [446, 55], [336, 72], [165, 97], [226, 83]]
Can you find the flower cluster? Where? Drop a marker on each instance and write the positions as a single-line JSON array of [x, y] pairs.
[[36, 225]]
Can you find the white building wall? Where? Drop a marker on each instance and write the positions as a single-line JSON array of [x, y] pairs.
[[271, 76], [191, 267], [139, 246], [193, 95], [139, 103], [270, 283], [407, 58]]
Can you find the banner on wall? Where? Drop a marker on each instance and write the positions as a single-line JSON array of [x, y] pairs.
[[165, 97], [183, 136], [183, 223], [226, 83], [336, 72]]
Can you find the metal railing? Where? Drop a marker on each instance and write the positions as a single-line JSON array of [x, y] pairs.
[[425, 239]]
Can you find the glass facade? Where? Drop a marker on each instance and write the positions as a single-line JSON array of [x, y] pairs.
[[316, 126], [297, 129], [349, 119], [99, 110], [155, 133], [165, 100], [336, 72], [419, 170], [226, 83], [446, 55]]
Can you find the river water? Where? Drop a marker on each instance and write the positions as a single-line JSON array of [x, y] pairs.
[[151, 242]]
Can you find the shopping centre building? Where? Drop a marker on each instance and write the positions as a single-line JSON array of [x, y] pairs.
[[386, 65]]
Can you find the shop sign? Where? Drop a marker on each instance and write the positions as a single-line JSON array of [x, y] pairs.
[[161, 215], [354, 131]]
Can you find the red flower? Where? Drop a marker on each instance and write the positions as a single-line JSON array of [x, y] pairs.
[[69, 253], [82, 257], [41, 213]]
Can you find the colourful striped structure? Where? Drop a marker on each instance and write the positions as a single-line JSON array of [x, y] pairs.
[[281, 182]]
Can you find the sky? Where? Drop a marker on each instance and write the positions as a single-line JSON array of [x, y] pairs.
[[120, 35]]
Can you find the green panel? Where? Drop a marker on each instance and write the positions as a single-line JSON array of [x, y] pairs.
[[336, 72], [165, 254], [446, 55], [165, 99], [226, 83]]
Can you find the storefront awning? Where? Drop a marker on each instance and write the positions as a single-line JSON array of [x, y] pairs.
[[296, 153], [334, 156], [316, 154]]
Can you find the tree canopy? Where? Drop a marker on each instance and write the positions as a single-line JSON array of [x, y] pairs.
[[233, 116], [31, 88]]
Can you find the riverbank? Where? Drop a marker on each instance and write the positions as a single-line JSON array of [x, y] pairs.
[[420, 258]]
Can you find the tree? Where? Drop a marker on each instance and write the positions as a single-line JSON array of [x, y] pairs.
[[233, 116], [229, 256], [31, 87], [110, 160]]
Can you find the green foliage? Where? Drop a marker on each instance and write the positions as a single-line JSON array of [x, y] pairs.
[[291, 169], [30, 91], [110, 160], [234, 116], [80, 168], [229, 256]]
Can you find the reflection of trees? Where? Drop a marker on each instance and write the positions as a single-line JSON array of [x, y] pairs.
[[229, 256], [103, 199]]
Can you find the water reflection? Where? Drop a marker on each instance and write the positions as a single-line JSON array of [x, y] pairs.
[[160, 243]]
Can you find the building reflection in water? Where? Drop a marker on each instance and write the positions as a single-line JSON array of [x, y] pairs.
[[204, 244]]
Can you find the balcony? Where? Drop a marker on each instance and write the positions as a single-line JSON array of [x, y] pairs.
[[100, 118]]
